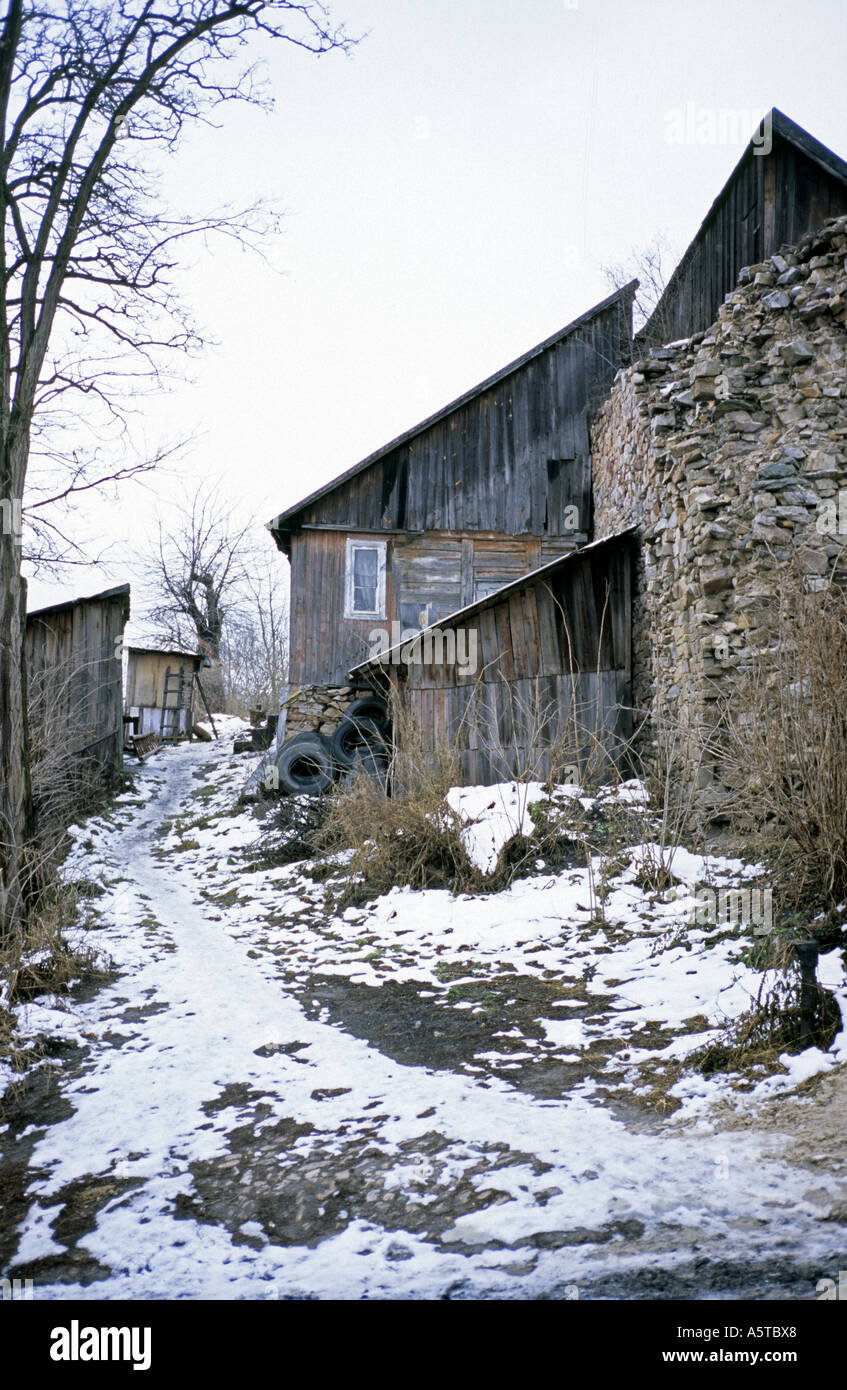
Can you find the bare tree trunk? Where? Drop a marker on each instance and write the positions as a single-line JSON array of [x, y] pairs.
[[16, 818]]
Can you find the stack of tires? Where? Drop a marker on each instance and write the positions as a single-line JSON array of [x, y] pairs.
[[308, 764]]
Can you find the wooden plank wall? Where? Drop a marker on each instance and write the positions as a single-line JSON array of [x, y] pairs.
[[325, 644], [553, 681], [490, 491], [770, 202], [429, 578], [146, 671], [75, 678]]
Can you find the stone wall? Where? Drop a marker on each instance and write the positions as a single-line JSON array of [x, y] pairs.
[[318, 708], [728, 451]]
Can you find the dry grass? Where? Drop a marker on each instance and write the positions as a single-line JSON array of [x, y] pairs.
[[45, 960], [783, 741], [405, 833], [771, 1026], [63, 782], [411, 837]]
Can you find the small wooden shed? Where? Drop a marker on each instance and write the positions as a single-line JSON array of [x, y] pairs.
[[73, 664], [533, 679], [148, 669]]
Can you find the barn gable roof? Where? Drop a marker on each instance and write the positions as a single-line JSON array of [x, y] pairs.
[[782, 128], [287, 519], [819, 153]]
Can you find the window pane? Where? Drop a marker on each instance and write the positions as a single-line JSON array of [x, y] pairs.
[[365, 575]]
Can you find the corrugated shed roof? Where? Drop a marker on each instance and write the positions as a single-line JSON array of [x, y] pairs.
[[165, 651]]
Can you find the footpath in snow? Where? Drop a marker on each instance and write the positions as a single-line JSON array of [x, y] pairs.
[[428, 1096]]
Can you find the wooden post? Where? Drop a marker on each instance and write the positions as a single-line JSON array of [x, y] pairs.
[[807, 954]]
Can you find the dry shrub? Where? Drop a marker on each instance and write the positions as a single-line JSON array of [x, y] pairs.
[[404, 833], [398, 841], [290, 830], [64, 782], [46, 958], [771, 1026], [411, 837], [783, 739], [671, 782]]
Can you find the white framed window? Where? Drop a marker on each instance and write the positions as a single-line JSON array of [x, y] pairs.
[[364, 579]]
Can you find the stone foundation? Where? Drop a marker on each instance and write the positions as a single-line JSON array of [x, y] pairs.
[[318, 709], [728, 452]]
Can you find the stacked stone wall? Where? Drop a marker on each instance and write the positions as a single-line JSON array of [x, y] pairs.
[[728, 452], [318, 708]]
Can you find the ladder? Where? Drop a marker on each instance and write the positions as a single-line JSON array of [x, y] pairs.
[[175, 683]]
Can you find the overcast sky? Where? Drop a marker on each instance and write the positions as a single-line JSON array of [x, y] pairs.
[[452, 190]]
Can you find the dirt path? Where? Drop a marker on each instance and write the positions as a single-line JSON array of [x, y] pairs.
[[230, 1117]]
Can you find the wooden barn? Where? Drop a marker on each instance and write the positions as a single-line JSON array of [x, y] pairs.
[[73, 664], [155, 680], [474, 526], [496, 484], [786, 183], [533, 679]]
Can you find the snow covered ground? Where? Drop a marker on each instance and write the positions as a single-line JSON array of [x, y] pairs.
[[427, 1096]]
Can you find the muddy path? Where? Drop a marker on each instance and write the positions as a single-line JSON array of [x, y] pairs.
[[234, 1118]]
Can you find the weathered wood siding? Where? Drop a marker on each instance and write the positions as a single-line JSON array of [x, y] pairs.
[[145, 686], [73, 654], [428, 578], [495, 485], [552, 682], [325, 644], [145, 683], [769, 201]]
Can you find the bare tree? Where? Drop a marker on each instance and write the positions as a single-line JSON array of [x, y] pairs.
[[87, 248], [649, 266], [196, 578], [54, 488], [255, 643]]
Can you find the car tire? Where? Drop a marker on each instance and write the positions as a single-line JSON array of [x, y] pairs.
[[368, 707], [354, 736], [305, 765]]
